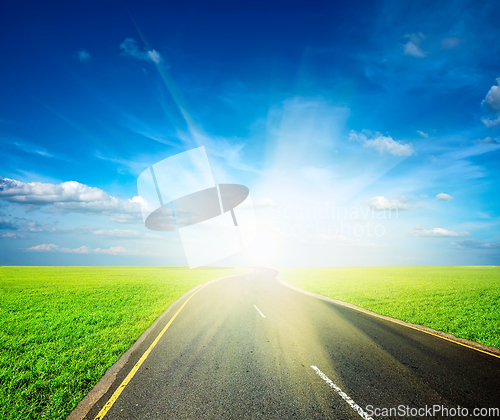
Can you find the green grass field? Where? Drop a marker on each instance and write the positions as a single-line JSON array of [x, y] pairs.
[[463, 301], [62, 327]]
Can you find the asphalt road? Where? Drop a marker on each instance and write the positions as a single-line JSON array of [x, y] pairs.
[[248, 347]]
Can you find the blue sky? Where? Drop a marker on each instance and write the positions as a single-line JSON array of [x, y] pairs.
[[367, 132]]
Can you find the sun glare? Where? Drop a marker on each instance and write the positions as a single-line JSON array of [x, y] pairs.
[[266, 249]]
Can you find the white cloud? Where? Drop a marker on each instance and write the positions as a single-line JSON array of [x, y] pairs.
[[116, 250], [490, 140], [155, 56], [382, 203], [382, 144], [68, 196], [7, 224], [45, 193], [450, 42], [30, 225], [476, 243], [125, 234], [491, 123], [120, 250], [437, 233], [55, 248], [492, 100], [492, 103], [423, 134], [444, 197], [412, 47], [43, 247], [10, 235], [83, 56], [130, 48]]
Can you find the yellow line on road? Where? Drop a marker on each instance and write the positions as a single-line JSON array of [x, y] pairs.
[[386, 318], [428, 332], [131, 374]]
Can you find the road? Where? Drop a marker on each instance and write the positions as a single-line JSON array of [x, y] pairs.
[[248, 347]]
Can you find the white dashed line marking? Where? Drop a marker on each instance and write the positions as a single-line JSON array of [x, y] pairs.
[[258, 310], [348, 400]]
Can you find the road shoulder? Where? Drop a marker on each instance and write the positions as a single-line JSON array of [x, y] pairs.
[[100, 389], [493, 351]]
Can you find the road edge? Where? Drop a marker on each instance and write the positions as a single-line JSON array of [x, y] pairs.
[[492, 351], [99, 389]]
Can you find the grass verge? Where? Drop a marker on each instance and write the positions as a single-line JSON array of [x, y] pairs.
[[463, 301], [61, 328]]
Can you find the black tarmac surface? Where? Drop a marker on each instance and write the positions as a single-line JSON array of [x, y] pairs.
[[223, 359]]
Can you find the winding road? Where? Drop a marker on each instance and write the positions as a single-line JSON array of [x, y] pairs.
[[248, 347]]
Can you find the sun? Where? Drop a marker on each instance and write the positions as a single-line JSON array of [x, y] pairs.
[[266, 249]]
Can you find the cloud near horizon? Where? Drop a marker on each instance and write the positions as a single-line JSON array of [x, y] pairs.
[[476, 243], [125, 234], [437, 233], [11, 235], [114, 250]]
